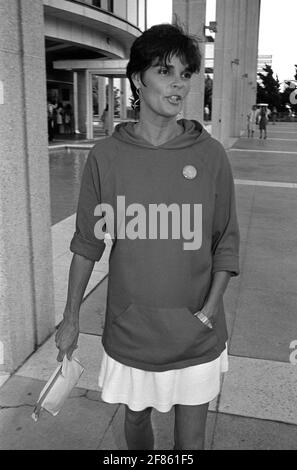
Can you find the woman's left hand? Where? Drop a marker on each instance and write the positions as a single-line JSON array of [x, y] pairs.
[[210, 312], [210, 309]]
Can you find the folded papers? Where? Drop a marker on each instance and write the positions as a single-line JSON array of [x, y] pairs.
[[58, 387]]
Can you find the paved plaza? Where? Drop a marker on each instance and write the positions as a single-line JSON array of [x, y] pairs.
[[256, 408]]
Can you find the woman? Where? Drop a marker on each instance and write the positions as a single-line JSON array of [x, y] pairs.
[[68, 119], [274, 115], [165, 333], [251, 121], [263, 116], [60, 118], [104, 119]]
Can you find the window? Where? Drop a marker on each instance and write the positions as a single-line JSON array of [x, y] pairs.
[[141, 14], [110, 5], [132, 12], [97, 3], [120, 8]]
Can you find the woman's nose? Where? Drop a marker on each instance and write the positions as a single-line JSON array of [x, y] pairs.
[[177, 83]]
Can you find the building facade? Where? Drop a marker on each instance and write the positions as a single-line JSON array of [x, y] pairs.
[[264, 60], [88, 31], [233, 57], [34, 35]]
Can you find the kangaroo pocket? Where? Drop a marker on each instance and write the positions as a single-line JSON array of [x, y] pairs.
[[160, 335]]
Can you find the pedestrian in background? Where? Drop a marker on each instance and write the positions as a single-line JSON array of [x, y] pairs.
[[251, 121], [262, 117], [274, 115], [206, 113], [165, 334], [60, 118], [68, 119], [104, 119], [51, 120]]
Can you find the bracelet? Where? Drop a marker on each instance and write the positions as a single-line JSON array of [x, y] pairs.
[[206, 321]]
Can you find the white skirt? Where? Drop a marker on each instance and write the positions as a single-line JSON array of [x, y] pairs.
[[140, 389]]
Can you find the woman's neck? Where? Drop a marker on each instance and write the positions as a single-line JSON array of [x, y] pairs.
[[159, 131]]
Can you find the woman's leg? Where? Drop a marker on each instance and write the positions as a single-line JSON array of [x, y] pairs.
[[138, 429], [190, 424]]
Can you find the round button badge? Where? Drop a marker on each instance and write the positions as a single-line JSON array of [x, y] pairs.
[[189, 172]]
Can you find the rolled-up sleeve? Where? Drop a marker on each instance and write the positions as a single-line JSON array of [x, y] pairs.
[[84, 241], [225, 234]]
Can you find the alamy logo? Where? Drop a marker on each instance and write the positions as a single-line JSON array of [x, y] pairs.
[[293, 355], [145, 225]]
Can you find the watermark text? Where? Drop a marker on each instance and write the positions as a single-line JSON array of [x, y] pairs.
[[152, 223]]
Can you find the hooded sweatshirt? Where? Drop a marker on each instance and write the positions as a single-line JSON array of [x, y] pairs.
[[170, 210]]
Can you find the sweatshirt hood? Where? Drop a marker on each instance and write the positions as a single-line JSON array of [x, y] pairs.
[[193, 133]]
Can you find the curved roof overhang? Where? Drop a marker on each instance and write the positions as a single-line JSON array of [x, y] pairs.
[[79, 23], [106, 68]]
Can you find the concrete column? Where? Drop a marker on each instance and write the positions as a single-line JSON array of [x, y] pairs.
[[238, 116], [123, 109], [89, 105], [191, 15], [26, 274], [223, 70], [249, 89], [82, 101], [253, 24], [75, 103], [242, 113], [101, 94], [85, 108], [110, 105]]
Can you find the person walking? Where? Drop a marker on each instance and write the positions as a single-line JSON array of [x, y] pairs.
[[206, 113], [68, 119], [104, 119], [165, 335], [60, 118], [251, 121], [274, 115], [51, 120], [262, 118]]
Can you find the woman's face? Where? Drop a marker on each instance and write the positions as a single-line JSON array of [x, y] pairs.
[[166, 88]]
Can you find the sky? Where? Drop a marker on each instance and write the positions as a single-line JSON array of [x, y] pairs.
[[278, 25], [278, 35]]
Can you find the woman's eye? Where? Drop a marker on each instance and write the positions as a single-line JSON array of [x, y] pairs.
[[187, 75], [163, 71]]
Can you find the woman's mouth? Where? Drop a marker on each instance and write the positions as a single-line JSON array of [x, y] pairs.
[[174, 99]]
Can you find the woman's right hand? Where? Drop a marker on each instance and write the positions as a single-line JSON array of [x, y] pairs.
[[66, 338]]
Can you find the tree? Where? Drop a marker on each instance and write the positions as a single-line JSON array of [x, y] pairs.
[[269, 90], [290, 86], [116, 100]]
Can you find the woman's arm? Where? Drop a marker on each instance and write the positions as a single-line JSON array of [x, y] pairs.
[[79, 274], [68, 332], [219, 284], [87, 249]]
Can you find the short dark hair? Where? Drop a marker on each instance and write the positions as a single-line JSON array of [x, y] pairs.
[[161, 42]]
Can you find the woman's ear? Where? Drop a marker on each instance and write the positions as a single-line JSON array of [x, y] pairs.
[[136, 80]]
